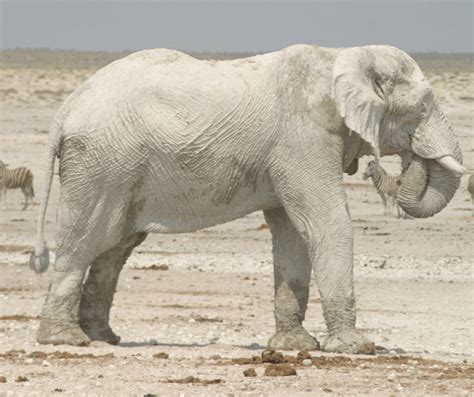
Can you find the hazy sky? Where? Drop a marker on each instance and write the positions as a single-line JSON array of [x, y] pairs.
[[415, 26]]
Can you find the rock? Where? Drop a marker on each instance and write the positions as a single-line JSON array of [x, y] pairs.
[[250, 372], [280, 370], [161, 355], [307, 361], [303, 355], [392, 377], [46, 363], [21, 379], [3, 379], [215, 357], [273, 357]]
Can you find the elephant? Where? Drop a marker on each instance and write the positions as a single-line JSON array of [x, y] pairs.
[[160, 142]]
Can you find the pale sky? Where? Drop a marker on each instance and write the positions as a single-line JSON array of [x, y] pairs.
[[415, 26]]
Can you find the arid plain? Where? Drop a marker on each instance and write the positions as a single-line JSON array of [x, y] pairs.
[[205, 300]]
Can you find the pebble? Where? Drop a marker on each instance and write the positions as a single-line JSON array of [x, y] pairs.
[[392, 377], [307, 361], [191, 321], [29, 361], [46, 364]]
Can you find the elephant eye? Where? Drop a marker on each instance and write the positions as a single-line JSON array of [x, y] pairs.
[[378, 87], [424, 108]]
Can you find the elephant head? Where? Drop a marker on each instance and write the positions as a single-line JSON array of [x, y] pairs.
[[382, 95]]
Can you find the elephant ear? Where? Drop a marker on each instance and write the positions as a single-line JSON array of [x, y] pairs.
[[354, 93]]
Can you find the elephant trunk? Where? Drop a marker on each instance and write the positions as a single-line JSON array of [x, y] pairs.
[[434, 174]]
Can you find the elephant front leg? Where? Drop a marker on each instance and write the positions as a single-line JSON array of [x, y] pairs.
[[292, 271], [316, 204], [331, 250]]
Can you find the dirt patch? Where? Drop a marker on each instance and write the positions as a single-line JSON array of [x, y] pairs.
[[152, 267], [18, 317], [14, 289], [77, 356], [280, 370], [195, 381], [263, 226], [204, 319], [21, 379], [267, 357], [14, 247], [14, 355], [3, 379], [392, 361]]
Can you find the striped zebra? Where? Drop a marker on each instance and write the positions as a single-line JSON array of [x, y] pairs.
[[386, 186], [17, 178], [470, 189]]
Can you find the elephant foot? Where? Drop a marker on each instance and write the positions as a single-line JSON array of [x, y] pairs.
[[53, 332], [295, 339], [101, 333], [348, 341]]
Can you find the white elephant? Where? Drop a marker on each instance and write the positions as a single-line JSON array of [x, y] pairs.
[[160, 142]]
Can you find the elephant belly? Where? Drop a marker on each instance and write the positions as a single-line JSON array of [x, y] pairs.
[[198, 206]]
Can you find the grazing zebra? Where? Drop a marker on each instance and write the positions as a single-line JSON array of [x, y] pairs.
[[17, 178], [386, 186], [470, 189]]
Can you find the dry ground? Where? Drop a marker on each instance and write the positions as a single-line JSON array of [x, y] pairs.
[[211, 311]]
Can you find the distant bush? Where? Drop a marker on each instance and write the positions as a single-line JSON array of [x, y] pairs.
[[60, 59]]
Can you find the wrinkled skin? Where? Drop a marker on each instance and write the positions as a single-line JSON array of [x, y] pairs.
[[159, 142]]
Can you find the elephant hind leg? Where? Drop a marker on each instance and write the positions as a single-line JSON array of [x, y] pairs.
[[292, 271], [99, 288], [59, 317]]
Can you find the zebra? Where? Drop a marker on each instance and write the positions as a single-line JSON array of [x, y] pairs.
[[386, 186], [17, 178], [470, 189]]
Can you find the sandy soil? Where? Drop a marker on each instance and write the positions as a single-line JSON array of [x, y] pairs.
[[211, 310]]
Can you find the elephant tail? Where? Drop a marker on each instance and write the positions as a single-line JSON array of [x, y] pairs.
[[39, 259]]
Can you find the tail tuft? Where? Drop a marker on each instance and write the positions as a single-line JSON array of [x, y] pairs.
[[39, 263]]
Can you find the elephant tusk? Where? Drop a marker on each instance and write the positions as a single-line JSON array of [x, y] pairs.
[[451, 164]]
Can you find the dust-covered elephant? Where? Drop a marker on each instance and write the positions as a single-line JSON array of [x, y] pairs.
[[160, 142]]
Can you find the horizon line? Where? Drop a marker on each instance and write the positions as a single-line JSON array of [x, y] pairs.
[[209, 51]]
